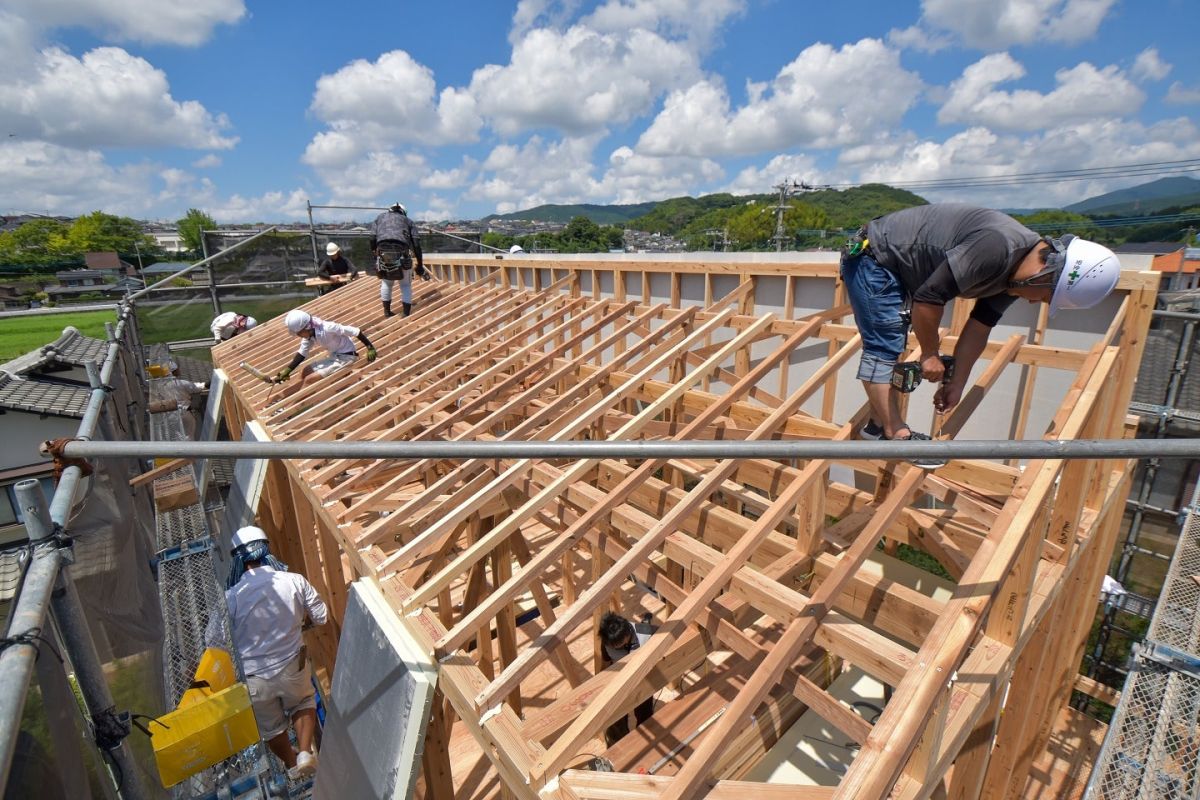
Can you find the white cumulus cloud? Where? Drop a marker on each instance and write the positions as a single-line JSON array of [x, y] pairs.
[[580, 81], [824, 98], [149, 21], [1182, 95], [1083, 92], [980, 152], [1149, 66], [998, 24], [107, 98]]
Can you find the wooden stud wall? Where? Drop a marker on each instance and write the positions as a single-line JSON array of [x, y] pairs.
[[753, 568]]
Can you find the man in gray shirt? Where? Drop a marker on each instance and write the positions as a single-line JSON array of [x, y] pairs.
[[921, 258]]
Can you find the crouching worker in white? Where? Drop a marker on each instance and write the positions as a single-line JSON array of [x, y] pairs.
[[338, 341]]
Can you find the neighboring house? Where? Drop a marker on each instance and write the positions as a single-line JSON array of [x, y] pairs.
[[76, 278], [169, 241], [10, 297], [109, 263], [43, 395], [1180, 271]]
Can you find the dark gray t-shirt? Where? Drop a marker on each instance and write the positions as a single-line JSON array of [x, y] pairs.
[[952, 250]]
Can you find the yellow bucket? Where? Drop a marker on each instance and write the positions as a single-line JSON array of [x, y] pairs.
[[158, 371], [204, 733]]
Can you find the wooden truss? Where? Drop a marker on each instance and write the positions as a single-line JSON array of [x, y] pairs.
[[753, 568]]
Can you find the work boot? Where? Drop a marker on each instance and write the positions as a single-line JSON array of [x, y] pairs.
[[407, 309], [387, 308]]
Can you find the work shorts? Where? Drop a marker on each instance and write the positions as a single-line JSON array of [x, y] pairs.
[[277, 698], [330, 365], [877, 299]]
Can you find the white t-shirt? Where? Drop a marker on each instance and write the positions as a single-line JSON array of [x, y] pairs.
[[267, 610], [337, 339]]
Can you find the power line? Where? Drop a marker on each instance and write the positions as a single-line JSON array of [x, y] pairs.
[[1044, 176]]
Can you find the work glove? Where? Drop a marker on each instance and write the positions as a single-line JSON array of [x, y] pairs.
[[283, 374], [371, 354], [424, 273]]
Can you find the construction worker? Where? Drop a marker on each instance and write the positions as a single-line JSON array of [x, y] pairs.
[[267, 609], [178, 392], [337, 339], [230, 324], [395, 242], [620, 637], [905, 266], [335, 265]]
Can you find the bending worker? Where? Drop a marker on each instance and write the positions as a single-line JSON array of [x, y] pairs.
[[395, 243], [337, 339], [335, 265], [619, 638], [229, 324], [907, 265], [267, 609]]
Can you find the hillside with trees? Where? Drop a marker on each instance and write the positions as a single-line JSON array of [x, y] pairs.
[[53, 244], [581, 235]]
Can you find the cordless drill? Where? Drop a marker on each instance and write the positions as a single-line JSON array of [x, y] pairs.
[[906, 375]]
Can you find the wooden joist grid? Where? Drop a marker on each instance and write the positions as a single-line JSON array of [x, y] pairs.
[[757, 572]]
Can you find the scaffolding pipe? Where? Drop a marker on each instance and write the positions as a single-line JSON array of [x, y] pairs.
[[637, 450], [28, 619], [77, 638], [199, 263]]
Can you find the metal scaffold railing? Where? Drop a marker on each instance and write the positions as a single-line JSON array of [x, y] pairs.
[[1152, 750]]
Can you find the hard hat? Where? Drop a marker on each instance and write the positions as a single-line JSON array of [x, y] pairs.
[[297, 320], [516, 248], [246, 535], [332, 249], [399, 207], [249, 323], [1088, 274]]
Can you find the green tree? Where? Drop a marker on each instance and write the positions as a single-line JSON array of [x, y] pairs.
[[101, 232], [192, 224], [38, 241]]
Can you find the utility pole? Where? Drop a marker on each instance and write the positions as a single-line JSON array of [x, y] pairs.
[[785, 190]]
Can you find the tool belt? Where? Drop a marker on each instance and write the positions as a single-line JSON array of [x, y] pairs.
[[393, 259], [857, 245]]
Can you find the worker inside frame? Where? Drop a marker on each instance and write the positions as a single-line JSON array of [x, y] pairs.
[[268, 608], [904, 267], [336, 267], [337, 339], [229, 324], [395, 243], [620, 637]]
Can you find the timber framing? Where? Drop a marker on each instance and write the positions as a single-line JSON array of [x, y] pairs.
[[756, 571]]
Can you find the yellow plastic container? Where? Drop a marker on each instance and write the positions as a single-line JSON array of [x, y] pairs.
[[158, 371], [215, 673], [204, 733]]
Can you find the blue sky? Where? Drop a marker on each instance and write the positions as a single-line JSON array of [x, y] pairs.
[[250, 110]]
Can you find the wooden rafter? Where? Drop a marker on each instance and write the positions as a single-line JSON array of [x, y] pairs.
[[757, 561]]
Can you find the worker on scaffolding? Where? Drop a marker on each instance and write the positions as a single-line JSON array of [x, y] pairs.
[[395, 243], [619, 637], [904, 267], [268, 607], [336, 338], [335, 267], [230, 324]]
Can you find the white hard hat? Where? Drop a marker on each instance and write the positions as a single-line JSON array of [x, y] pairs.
[[332, 249], [297, 320], [246, 535], [249, 323], [398, 207], [1088, 274], [516, 248]]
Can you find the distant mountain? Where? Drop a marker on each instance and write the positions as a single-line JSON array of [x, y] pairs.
[[1147, 198], [601, 215]]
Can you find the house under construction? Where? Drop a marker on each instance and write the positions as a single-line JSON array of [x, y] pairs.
[[798, 651]]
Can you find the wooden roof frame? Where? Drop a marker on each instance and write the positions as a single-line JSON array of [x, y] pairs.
[[521, 349]]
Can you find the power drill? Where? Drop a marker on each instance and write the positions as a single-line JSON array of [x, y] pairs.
[[906, 375]]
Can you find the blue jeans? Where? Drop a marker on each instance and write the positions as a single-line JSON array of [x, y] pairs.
[[877, 299]]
